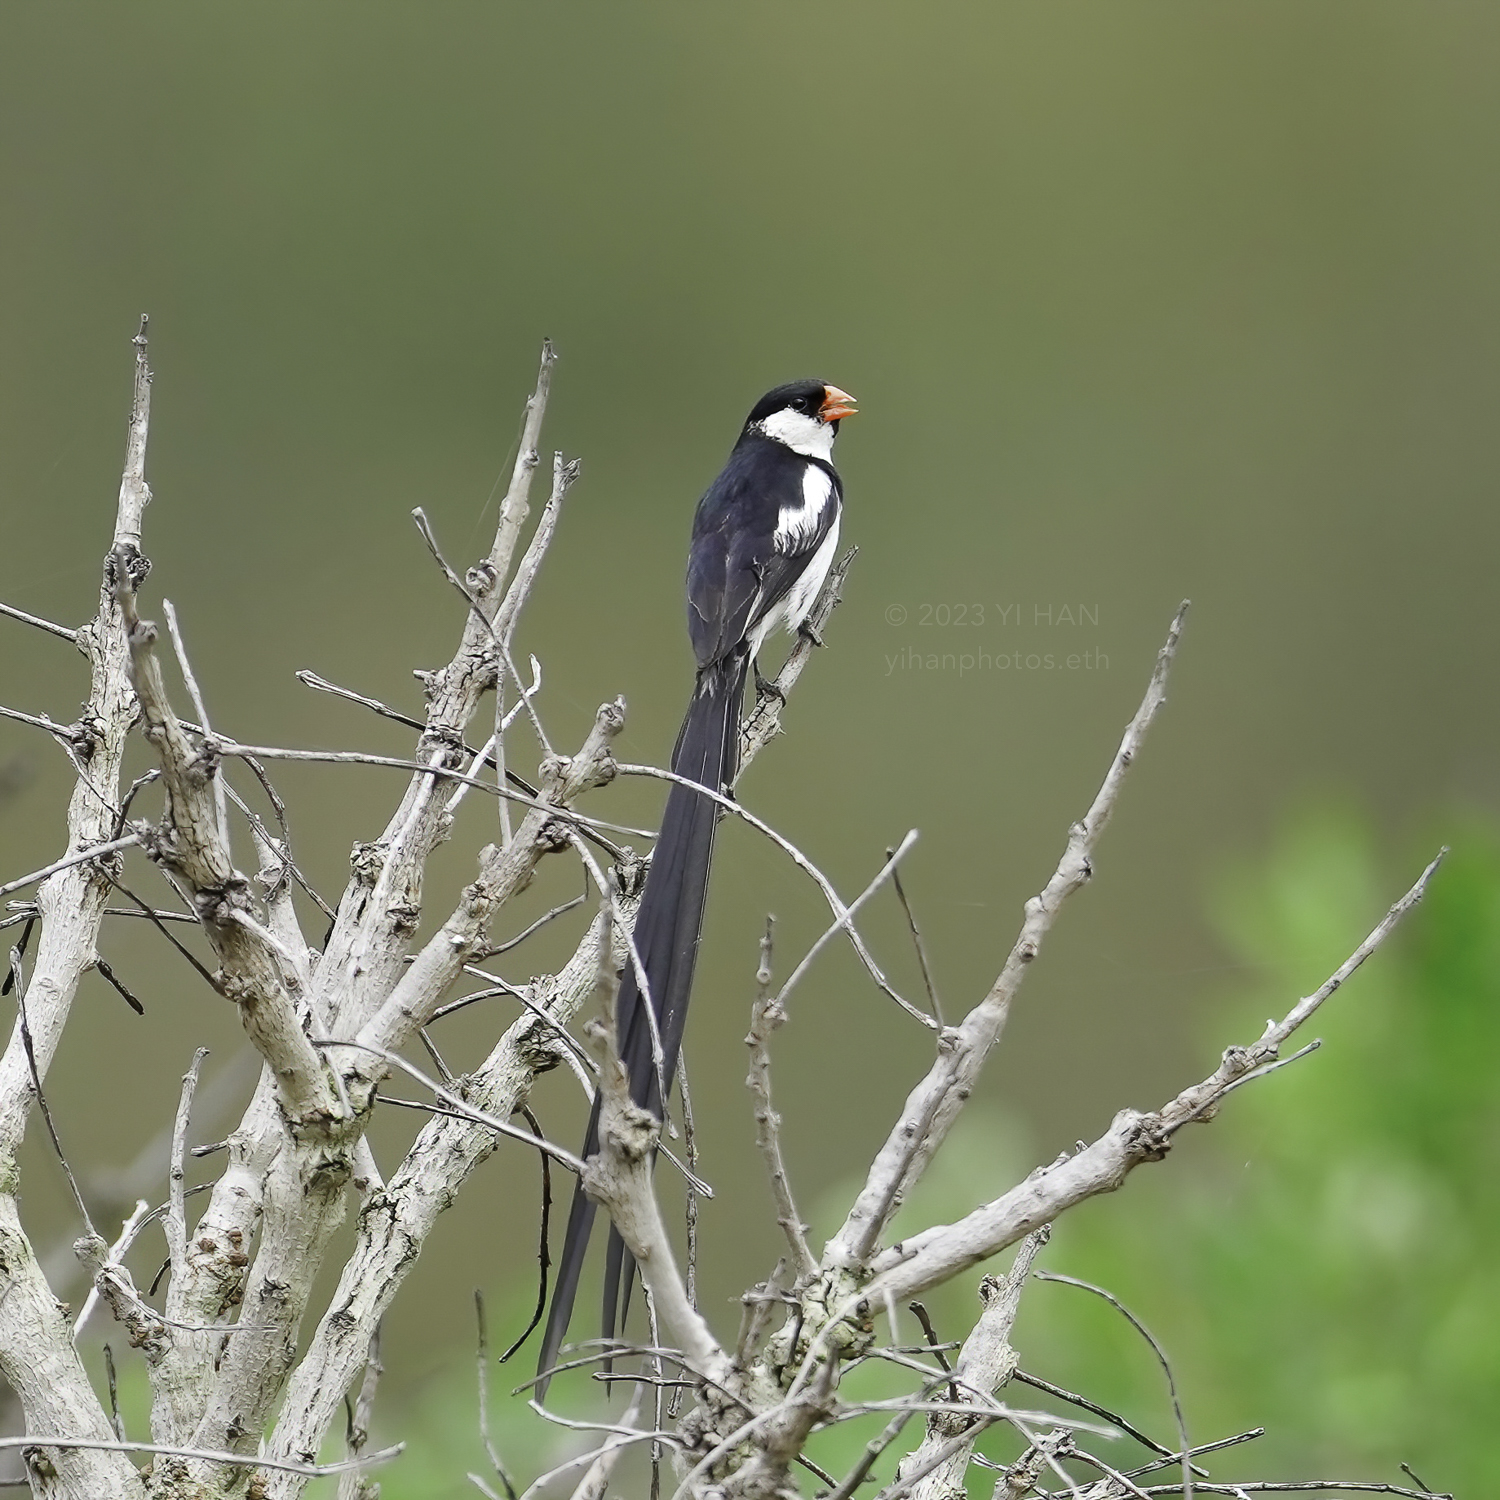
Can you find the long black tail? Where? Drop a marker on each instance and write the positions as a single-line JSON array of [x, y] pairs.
[[667, 927]]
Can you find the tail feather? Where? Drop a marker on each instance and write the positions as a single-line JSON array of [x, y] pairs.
[[667, 929]]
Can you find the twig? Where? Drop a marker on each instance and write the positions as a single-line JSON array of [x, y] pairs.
[[110, 977], [984, 1365], [115, 1419], [311, 679], [1198, 1449], [564, 476], [1304, 1486], [1156, 1349], [921, 947], [208, 1455], [438, 772], [1415, 1478], [123, 811], [919, 1311], [658, 1397], [766, 1015], [357, 1428], [156, 918], [934, 1104], [526, 932], [176, 1225], [544, 1254], [690, 1150], [455, 1104], [36, 1083], [595, 1482], [1265, 1069], [58, 630], [17, 953], [482, 1371], [835, 903], [195, 693], [886, 872], [63, 732], [514, 508], [984, 1405], [83, 856], [1085, 1404]]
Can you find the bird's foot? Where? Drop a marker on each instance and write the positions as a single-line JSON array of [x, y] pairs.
[[765, 688]]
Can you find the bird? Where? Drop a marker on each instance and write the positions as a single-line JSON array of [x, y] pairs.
[[764, 537]]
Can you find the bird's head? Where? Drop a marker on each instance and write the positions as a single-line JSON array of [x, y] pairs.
[[803, 416]]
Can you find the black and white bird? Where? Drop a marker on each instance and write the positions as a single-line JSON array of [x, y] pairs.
[[764, 537]]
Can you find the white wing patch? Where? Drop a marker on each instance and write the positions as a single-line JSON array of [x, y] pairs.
[[792, 609], [797, 525]]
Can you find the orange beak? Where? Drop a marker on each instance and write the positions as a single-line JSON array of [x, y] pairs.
[[836, 404]]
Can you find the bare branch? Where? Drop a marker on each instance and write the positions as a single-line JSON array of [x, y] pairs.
[[68, 862], [13, 613], [918, 944], [514, 508], [595, 1483], [195, 693], [176, 1207], [502, 873], [445, 1153], [843, 924], [63, 732], [937, 1254], [127, 1235], [619, 1177], [235, 1460], [934, 1104], [135, 494], [190, 845], [766, 1015], [17, 974], [985, 1363], [835, 903], [352, 1484], [1161, 1359], [482, 1374], [1168, 1455]]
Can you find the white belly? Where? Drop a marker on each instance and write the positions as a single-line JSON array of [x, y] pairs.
[[792, 609]]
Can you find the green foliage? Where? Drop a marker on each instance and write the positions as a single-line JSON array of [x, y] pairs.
[[1321, 1259]]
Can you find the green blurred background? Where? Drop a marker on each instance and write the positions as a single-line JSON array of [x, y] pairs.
[[1140, 301]]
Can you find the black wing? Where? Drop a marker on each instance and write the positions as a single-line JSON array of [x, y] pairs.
[[736, 573]]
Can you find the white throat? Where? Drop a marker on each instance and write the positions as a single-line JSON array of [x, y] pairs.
[[801, 433]]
